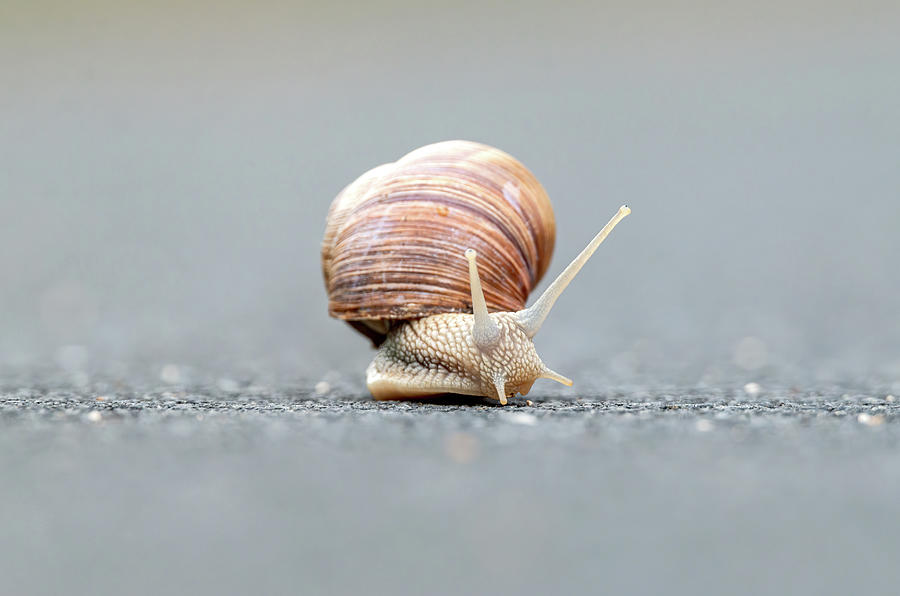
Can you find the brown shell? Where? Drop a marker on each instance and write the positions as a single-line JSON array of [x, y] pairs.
[[395, 237]]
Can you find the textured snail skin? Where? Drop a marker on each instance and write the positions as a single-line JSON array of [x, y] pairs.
[[438, 354], [473, 354]]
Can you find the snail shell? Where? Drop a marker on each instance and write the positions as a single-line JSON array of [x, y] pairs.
[[394, 236]]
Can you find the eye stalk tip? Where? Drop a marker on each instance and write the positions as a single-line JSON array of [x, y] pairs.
[[533, 317]]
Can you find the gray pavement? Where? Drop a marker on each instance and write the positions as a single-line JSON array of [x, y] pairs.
[[149, 490]]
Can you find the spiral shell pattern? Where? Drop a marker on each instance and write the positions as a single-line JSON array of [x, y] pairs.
[[395, 237]]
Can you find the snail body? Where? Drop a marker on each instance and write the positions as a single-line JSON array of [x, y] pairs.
[[392, 258]]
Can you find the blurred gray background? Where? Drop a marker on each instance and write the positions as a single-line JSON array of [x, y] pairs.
[[165, 171]]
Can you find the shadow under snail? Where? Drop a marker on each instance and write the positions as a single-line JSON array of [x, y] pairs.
[[433, 256]]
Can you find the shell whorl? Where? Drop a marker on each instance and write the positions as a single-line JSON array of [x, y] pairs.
[[394, 236]]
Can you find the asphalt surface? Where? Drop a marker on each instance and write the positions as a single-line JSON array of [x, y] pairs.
[[247, 489]]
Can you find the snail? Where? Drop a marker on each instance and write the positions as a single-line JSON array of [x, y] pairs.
[[433, 256]]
